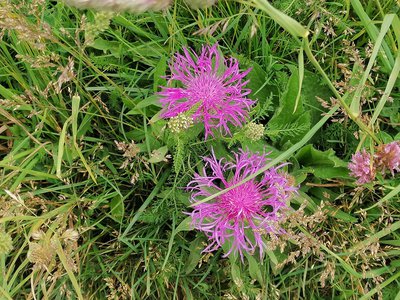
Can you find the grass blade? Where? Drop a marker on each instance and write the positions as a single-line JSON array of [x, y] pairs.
[[355, 104], [288, 23]]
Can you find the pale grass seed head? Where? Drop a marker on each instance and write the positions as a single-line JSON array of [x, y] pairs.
[[13, 17], [117, 289], [328, 272], [42, 254], [130, 150], [67, 74], [211, 29]]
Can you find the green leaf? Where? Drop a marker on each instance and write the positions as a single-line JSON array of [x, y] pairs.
[[195, 248], [331, 172], [114, 47], [158, 155], [311, 89], [384, 137], [236, 275], [74, 115], [309, 156], [179, 155], [254, 269], [288, 124], [117, 208], [261, 146], [185, 225], [386, 55], [151, 100], [259, 83], [159, 71], [323, 164], [355, 103]]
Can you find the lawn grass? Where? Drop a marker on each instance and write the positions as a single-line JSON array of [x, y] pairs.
[[92, 181]]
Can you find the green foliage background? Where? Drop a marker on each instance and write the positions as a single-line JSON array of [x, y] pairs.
[[74, 84]]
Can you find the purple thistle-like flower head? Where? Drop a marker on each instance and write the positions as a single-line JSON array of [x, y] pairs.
[[388, 157], [362, 167], [242, 215], [211, 89]]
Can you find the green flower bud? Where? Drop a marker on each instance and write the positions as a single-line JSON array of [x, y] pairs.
[[180, 123], [254, 131]]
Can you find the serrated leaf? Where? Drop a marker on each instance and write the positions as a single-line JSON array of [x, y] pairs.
[[291, 131], [179, 155]]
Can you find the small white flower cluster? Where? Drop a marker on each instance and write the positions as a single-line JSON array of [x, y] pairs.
[[120, 5], [179, 123], [254, 131]]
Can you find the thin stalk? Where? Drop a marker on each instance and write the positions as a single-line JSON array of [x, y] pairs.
[[343, 104]]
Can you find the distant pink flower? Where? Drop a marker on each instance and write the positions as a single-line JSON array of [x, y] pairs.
[[387, 157], [362, 167], [243, 215], [210, 87]]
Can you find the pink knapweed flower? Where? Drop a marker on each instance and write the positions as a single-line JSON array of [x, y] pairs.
[[387, 157], [210, 88], [362, 167], [241, 216]]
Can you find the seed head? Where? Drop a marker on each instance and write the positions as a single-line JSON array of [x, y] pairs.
[[180, 123], [254, 131], [5, 243]]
